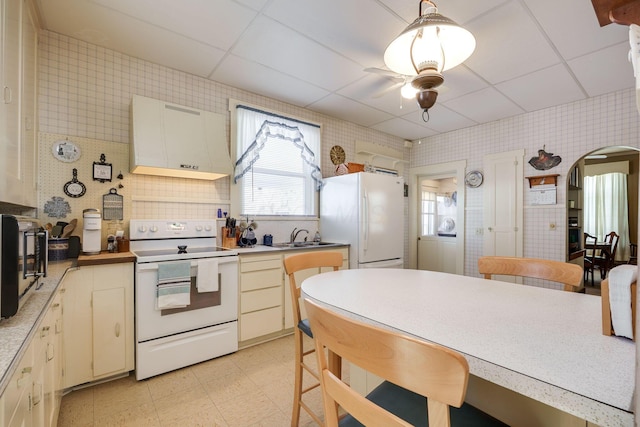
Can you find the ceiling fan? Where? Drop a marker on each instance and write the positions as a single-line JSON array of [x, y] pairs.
[[401, 81]]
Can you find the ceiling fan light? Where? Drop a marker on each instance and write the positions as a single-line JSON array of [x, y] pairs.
[[431, 41], [408, 91]]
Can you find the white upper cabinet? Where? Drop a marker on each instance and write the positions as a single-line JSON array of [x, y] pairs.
[[18, 73]]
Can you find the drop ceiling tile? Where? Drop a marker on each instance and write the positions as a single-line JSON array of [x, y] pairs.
[[442, 119], [254, 4], [542, 89], [508, 44], [484, 106], [270, 43], [605, 71], [459, 81], [217, 23], [361, 30], [404, 129], [246, 75], [573, 27], [347, 109]]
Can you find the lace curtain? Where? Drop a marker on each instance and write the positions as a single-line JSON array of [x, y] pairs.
[[256, 128]]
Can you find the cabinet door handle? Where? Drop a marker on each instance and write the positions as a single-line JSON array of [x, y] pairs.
[[7, 95], [37, 398], [490, 229], [117, 330], [44, 332]]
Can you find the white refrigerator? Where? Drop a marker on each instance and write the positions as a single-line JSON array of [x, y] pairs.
[[365, 210]]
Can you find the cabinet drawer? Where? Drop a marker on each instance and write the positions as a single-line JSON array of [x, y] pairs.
[[255, 263], [260, 279], [260, 299], [260, 323]]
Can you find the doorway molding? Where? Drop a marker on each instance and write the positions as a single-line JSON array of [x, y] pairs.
[[441, 170]]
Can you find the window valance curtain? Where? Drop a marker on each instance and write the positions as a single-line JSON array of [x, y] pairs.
[[256, 128]]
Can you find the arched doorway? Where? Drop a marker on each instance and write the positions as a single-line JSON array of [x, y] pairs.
[[580, 218]]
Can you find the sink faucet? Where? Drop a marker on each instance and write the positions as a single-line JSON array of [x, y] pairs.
[[295, 233]]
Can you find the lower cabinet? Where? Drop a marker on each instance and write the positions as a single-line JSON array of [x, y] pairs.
[[260, 300], [265, 298], [98, 322], [34, 393]]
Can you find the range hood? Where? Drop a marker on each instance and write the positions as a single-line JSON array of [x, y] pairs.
[[174, 140]]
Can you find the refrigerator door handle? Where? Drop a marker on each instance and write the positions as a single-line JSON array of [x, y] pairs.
[[365, 215]]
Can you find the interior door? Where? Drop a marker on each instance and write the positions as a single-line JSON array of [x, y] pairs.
[[503, 206]]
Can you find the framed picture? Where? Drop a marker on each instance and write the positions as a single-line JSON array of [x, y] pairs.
[[102, 171]]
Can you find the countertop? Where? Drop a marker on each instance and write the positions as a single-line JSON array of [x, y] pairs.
[[18, 330], [281, 247]]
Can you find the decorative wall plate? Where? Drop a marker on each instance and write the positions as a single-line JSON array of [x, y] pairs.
[[337, 155], [473, 179], [65, 151], [74, 188]]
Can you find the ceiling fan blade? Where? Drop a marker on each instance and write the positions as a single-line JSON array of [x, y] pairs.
[[387, 89], [383, 72]]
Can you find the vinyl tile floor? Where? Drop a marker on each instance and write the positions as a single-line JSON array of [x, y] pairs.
[[252, 387]]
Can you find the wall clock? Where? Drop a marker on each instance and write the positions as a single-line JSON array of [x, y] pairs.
[[473, 179], [337, 155], [65, 151]]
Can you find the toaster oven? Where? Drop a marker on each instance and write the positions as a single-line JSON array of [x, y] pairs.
[[23, 261]]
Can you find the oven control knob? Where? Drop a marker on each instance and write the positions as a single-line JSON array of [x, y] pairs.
[[142, 229], [153, 229], [207, 228], [198, 228]]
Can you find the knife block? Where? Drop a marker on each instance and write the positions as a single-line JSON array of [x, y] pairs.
[[228, 241]]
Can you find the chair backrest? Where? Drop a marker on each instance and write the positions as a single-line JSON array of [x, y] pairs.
[[430, 370], [612, 238], [570, 275], [313, 259], [589, 240]]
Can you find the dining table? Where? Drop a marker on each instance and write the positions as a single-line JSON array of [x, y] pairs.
[[542, 343]]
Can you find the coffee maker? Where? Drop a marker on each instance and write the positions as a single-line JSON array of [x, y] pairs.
[[91, 231]]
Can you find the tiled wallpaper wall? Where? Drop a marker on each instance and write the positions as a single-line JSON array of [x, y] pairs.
[[570, 131], [85, 92]]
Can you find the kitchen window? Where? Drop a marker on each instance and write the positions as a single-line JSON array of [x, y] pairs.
[[277, 163]]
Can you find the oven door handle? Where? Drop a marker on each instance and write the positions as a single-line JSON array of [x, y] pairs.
[[154, 265]]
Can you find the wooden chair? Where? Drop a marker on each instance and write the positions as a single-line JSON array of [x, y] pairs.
[[607, 326], [292, 265], [422, 379], [633, 254], [570, 275], [605, 261], [588, 257]]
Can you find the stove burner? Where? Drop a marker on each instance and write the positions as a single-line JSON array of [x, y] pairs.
[[182, 249]]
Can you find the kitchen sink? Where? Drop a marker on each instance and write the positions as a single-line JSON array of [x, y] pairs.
[[301, 244]]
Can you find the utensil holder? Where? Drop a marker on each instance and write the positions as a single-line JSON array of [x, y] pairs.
[[228, 241]]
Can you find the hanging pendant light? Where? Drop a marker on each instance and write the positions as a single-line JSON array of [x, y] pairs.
[[432, 44]]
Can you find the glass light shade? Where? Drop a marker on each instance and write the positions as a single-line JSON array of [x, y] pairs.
[[434, 41], [408, 91]]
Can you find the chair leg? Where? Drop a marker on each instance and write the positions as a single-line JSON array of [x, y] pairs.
[[297, 389]]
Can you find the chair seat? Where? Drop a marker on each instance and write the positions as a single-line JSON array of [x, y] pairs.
[[305, 327], [412, 408]]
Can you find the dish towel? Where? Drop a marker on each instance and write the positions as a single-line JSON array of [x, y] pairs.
[[174, 285], [620, 279], [207, 278]]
